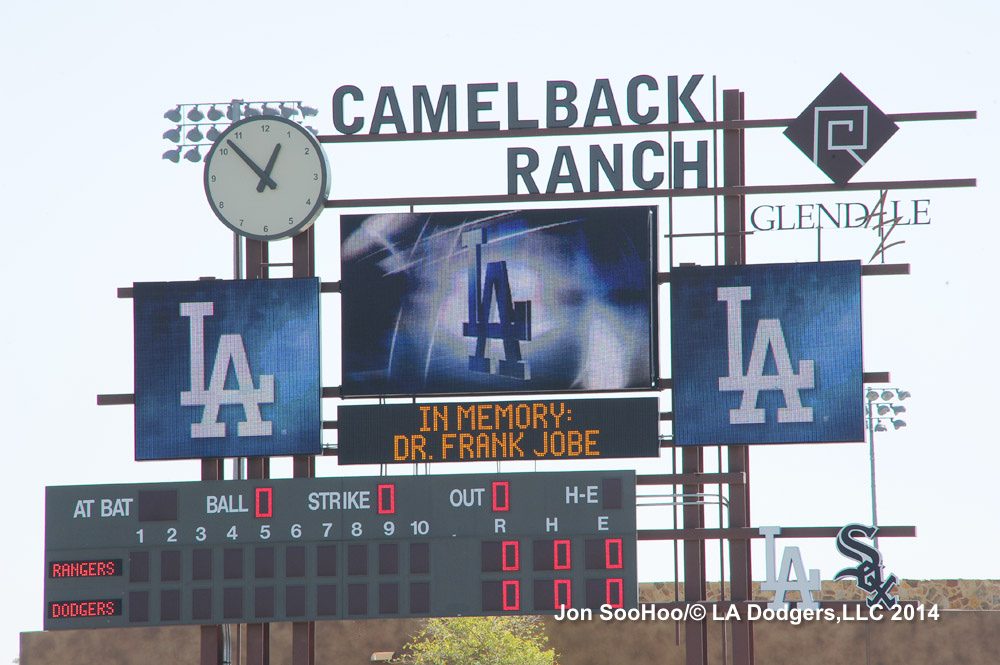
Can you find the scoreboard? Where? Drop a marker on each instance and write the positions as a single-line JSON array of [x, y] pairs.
[[307, 549]]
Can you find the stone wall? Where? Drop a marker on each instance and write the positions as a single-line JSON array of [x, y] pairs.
[[967, 631], [946, 594]]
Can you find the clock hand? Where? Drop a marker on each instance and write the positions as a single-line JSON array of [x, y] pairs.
[[267, 171], [256, 169]]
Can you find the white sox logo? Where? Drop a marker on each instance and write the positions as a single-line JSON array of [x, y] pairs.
[[231, 350], [869, 571], [769, 334]]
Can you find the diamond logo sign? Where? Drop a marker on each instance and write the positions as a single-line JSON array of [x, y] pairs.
[[841, 130]]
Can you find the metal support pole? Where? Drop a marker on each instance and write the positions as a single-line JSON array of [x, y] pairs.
[[256, 259], [734, 225], [695, 591], [258, 644], [304, 466], [258, 634], [211, 645], [211, 636], [304, 643], [871, 455]]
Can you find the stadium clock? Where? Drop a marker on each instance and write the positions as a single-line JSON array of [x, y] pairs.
[[266, 178]]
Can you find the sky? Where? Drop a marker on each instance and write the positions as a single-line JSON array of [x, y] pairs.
[[89, 206]]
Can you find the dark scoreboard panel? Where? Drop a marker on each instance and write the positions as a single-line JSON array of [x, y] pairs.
[[338, 548], [507, 430]]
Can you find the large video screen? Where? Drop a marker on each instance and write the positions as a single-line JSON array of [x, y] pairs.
[[498, 302], [227, 368], [767, 353]]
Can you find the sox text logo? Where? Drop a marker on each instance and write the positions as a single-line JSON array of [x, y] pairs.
[[768, 335], [230, 351], [869, 572]]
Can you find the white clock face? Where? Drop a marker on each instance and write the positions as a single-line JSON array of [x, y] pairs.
[[266, 178]]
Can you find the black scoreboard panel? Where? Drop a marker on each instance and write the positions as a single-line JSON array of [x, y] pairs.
[[308, 549]]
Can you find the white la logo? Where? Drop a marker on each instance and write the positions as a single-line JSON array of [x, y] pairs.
[[780, 581], [769, 334], [231, 350]]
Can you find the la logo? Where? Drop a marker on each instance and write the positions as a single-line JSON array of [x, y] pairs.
[[514, 326], [768, 335], [781, 582], [230, 351]]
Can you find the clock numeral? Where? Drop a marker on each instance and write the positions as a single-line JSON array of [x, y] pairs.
[[222, 204], [291, 220], [213, 178], [265, 228], [265, 128], [309, 202], [241, 222], [307, 151], [315, 176], [238, 135]]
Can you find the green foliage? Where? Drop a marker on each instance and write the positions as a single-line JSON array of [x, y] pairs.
[[508, 640]]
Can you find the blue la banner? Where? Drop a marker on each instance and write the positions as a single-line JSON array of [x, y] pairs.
[[227, 368], [767, 353]]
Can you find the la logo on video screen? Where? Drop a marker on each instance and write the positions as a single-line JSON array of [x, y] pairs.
[[508, 302], [767, 353], [227, 368]]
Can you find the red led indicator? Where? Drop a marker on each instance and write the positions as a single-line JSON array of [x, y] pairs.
[[613, 553], [511, 595], [561, 589], [511, 555], [263, 505], [560, 556], [501, 496], [386, 499], [614, 592]]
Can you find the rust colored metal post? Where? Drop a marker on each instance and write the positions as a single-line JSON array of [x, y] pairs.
[[304, 643], [258, 644], [258, 467], [258, 634], [256, 259], [211, 636], [303, 253], [304, 466], [211, 468], [211, 645], [695, 632], [734, 224]]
